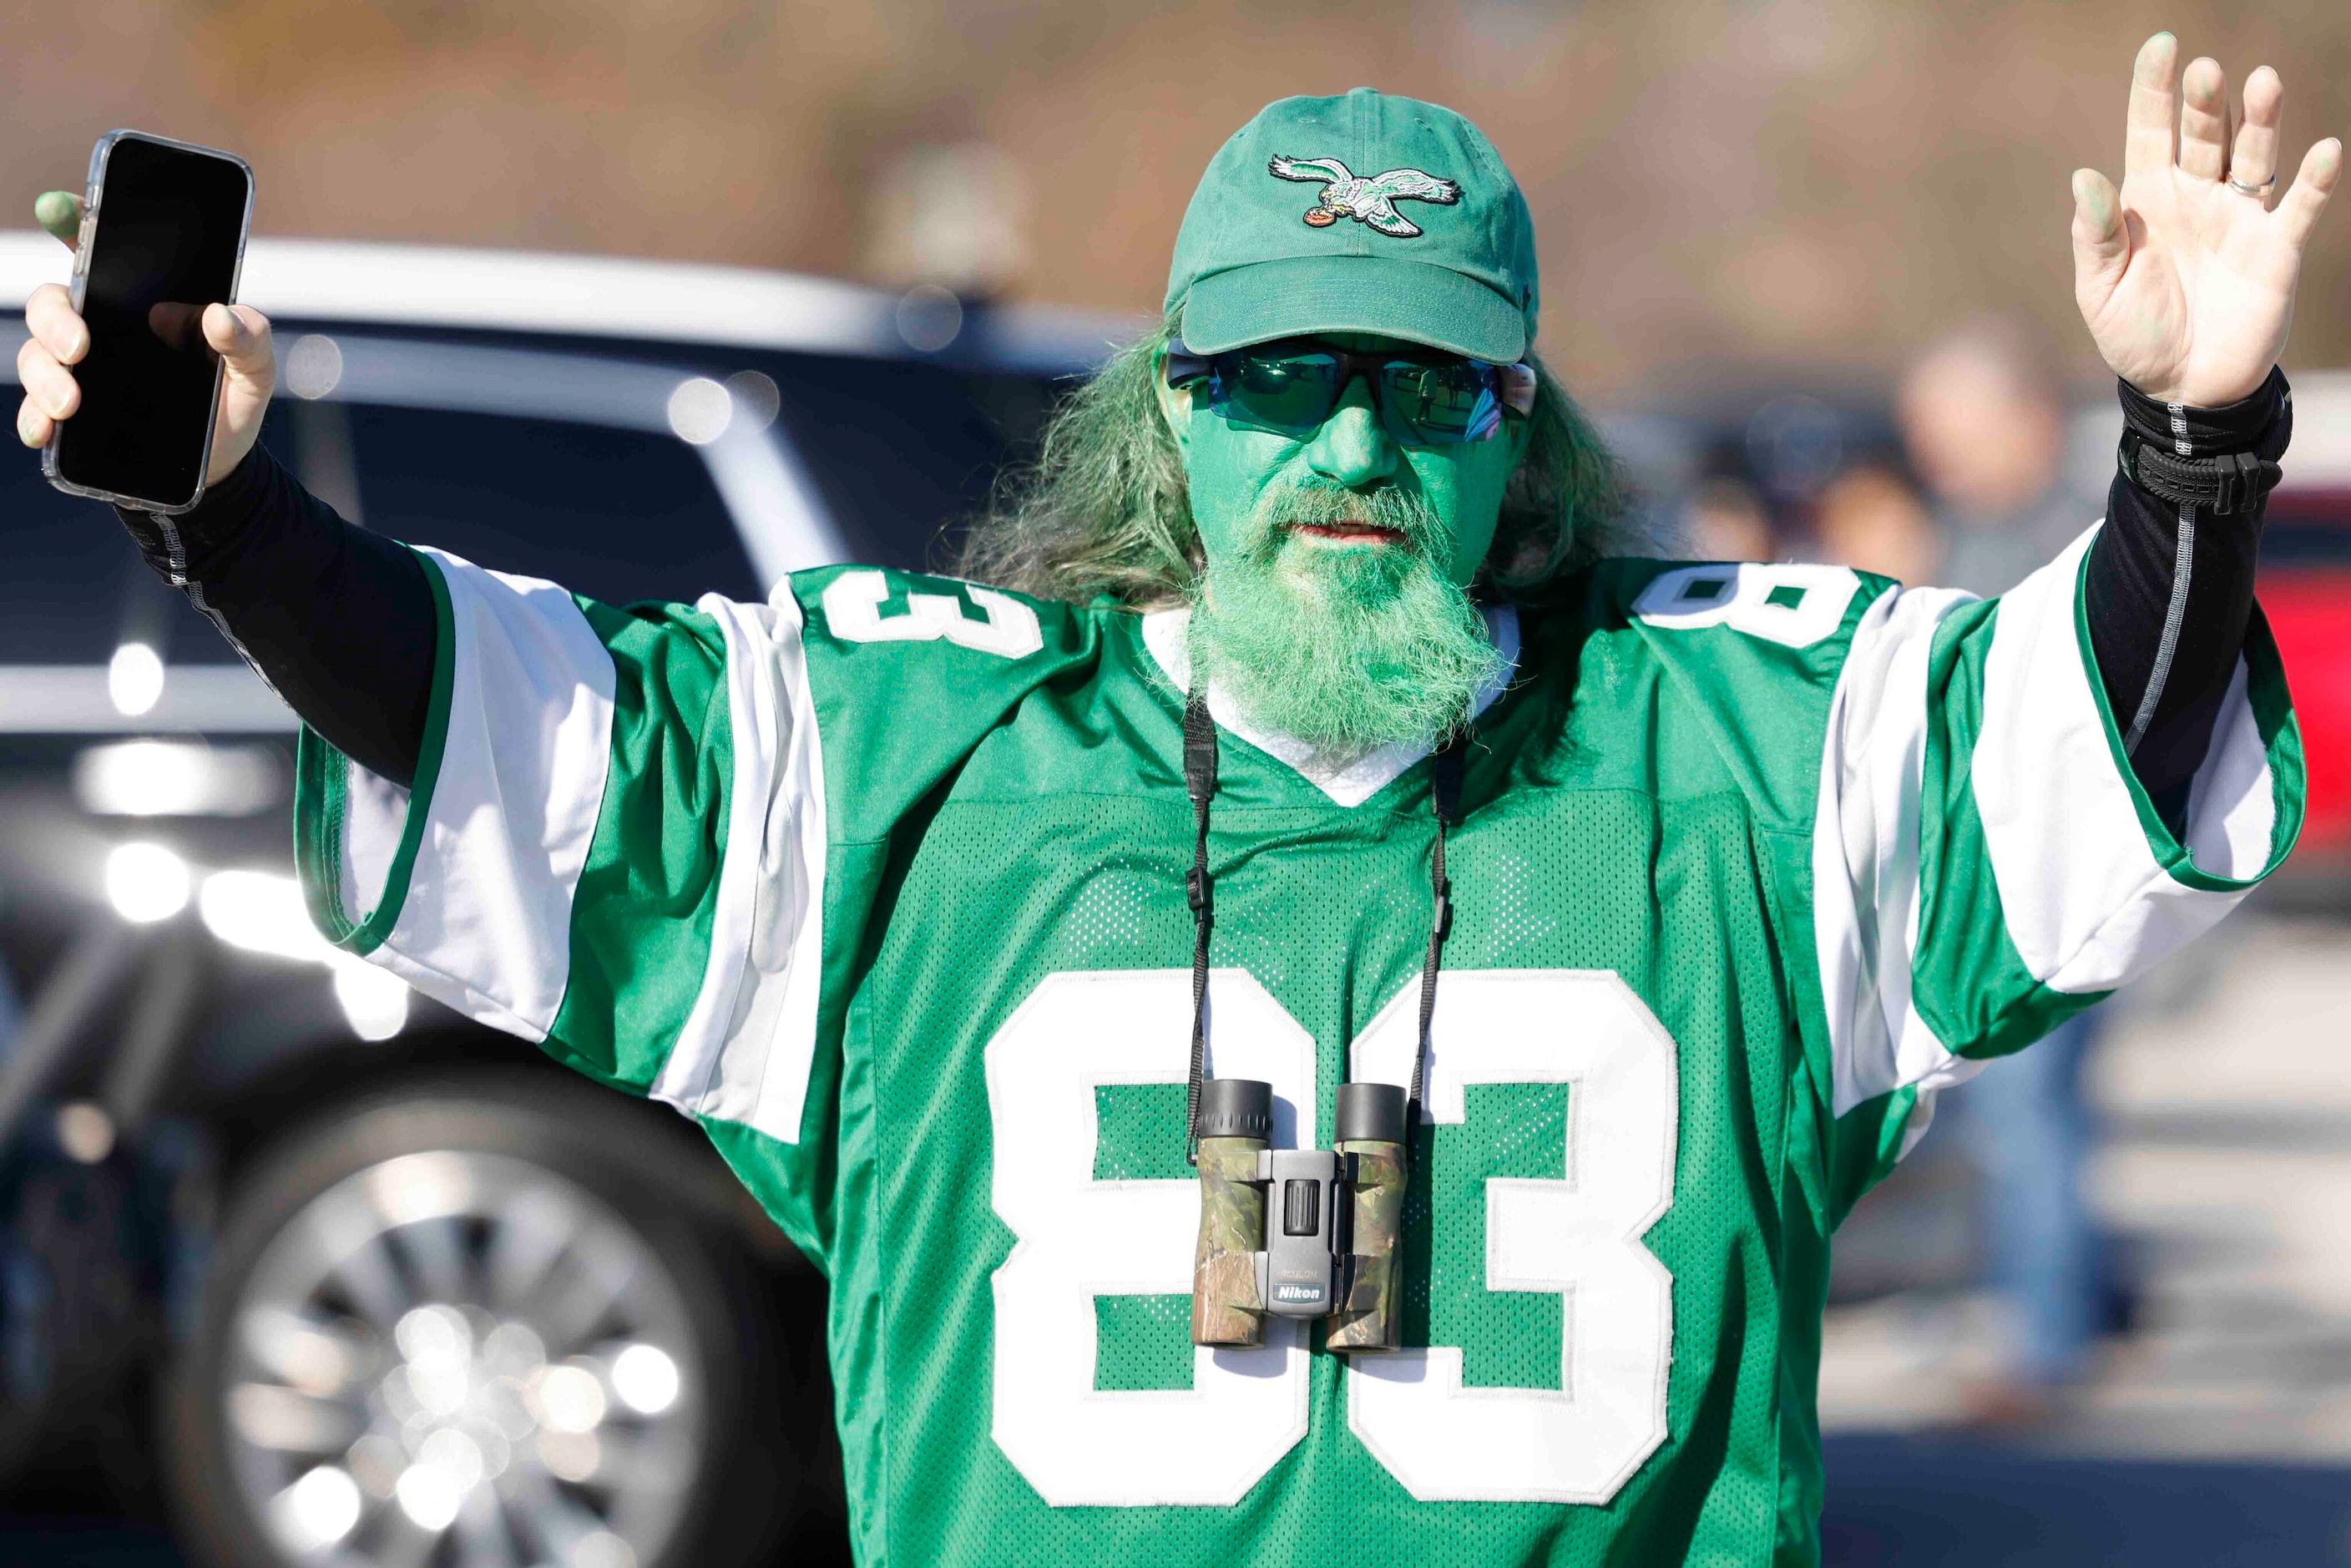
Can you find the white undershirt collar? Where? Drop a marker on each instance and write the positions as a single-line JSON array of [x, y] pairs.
[[1348, 780]]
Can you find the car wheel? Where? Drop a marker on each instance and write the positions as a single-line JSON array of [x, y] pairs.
[[480, 1321]]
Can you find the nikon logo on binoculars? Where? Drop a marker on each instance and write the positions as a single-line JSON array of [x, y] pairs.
[[1318, 1224], [1077, 1239]]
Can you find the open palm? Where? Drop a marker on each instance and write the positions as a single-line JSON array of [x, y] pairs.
[[2187, 280]]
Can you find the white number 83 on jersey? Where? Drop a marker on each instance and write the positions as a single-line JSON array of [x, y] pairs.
[[1578, 1237]]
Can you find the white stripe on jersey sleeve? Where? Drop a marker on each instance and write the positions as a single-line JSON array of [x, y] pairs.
[[1865, 854], [754, 736], [375, 812], [747, 1049], [486, 926], [2086, 903]]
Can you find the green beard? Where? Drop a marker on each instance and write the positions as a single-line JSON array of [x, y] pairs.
[[1348, 647]]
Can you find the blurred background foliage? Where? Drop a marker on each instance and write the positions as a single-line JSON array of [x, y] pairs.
[[1726, 190]]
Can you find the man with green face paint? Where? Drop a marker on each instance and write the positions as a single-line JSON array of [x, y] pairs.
[[1672, 893]]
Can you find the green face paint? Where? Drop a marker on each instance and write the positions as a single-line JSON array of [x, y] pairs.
[[1333, 606], [1230, 468]]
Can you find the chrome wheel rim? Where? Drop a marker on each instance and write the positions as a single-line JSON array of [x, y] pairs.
[[461, 1360]]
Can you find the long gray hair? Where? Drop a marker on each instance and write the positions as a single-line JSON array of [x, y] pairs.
[[1103, 509]]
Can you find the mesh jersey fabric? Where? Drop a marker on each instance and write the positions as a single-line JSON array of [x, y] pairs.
[[883, 882]]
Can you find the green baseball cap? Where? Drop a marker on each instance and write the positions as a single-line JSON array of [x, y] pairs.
[[1358, 214]]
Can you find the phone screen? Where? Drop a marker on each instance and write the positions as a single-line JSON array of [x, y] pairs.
[[164, 244]]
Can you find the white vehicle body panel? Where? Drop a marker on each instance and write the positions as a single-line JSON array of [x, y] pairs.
[[752, 460]]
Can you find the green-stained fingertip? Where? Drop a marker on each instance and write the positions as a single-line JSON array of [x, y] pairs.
[[2090, 198], [60, 212]]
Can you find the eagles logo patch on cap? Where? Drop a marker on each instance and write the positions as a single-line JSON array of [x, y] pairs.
[[1370, 202], [1249, 267]]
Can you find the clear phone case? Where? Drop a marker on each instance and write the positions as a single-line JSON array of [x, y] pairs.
[[92, 198]]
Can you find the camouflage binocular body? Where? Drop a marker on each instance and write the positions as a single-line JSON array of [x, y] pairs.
[[1300, 1233]]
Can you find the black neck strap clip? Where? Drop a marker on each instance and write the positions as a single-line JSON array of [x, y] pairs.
[[1200, 783]]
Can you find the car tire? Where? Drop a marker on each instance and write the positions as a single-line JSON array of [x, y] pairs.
[[504, 1308]]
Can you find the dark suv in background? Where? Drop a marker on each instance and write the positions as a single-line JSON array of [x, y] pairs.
[[394, 1289]]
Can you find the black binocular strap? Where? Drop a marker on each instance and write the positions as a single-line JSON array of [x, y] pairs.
[[1200, 783], [1445, 794]]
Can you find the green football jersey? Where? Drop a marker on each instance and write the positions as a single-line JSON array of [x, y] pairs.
[[883, 882]]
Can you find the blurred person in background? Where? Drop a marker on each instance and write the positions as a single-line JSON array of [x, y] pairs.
[[1868, 518], [1983, 417], [1725, 519], [1314, 655]]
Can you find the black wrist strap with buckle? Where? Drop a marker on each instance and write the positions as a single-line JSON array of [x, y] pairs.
[[2226, 485]]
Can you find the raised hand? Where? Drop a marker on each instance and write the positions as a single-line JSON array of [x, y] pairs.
[[2186, 275], [238, 333]]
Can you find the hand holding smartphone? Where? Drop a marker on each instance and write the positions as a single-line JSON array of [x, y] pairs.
[[143, 383]]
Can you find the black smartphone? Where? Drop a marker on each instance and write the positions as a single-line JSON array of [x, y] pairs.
[[162, 235]]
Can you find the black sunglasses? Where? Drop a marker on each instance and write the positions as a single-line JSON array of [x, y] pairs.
[[1292, 387]]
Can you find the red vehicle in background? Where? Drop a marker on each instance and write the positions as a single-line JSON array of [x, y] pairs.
[[2305, 591]]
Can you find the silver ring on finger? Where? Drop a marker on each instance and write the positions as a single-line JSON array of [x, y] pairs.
[[2256, 192]]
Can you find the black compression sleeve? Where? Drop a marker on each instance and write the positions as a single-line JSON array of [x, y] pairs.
[[2169, 588], [338, 620]]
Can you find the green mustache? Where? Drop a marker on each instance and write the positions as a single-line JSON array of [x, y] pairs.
[[1407, 512]]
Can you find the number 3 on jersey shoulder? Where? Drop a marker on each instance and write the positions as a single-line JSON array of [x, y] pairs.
[[853, 610], [1790, 603]]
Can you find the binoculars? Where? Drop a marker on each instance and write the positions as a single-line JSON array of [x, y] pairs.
[[1300, 1233]]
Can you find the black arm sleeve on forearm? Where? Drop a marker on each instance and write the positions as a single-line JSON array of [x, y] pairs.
[[340, 620], [2169, 588]]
